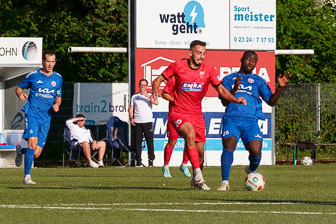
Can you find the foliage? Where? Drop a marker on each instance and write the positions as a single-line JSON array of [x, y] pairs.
[[63, 23], [305, 25]]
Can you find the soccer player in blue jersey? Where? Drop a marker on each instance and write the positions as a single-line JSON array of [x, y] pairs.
[[241, 121], [45, 96]]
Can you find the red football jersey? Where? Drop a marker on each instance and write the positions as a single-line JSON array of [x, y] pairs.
[[169, 88], [191, 85]]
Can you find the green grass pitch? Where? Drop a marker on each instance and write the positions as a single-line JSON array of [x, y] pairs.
[[292, 194]]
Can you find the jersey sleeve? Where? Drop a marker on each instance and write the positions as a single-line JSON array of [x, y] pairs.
[[170, 71], [26, 82], [59, 89], [132, 100], [214, 77], [265, 90]]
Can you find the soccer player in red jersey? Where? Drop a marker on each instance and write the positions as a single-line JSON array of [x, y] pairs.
[[169, 94], [192, 78]]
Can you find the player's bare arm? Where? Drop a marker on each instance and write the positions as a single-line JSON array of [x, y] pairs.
[[282, 81], [57, 104], [20, 94], [167, 97], [156, 84], [226, 95]]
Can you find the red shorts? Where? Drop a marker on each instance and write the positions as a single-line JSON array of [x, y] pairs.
[[171, 132], [197, 121]]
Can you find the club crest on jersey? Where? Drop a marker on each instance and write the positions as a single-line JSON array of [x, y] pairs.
[[250, 80], [53, 83], [192, 86], [202, 74]]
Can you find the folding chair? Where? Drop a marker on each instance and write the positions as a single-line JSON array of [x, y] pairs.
[[74, 150], [118, 139]]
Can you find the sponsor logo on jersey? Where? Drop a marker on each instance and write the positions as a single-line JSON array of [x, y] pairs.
[[53, 83], [192, 86], [39, 81], [250, 80]]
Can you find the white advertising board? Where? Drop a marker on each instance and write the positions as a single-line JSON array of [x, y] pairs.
[[20, 51], [175, 23], [99, 101], [223, 25], [253, 24]]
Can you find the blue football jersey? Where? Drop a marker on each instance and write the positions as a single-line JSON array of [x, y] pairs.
[[43, 90], [251, 87]]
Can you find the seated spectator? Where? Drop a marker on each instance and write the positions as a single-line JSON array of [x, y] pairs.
[[83, 135]]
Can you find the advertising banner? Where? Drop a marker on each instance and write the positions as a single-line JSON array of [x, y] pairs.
[[252, 24], [223, 25], [20, 50], [99, 101], [175, 23]]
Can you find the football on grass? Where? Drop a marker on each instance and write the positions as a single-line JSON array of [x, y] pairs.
[[254, 182], [307, 161]]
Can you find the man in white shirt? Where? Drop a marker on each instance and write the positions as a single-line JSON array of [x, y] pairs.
[[141, 116], [84, 138]]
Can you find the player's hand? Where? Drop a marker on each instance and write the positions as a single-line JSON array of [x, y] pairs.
[[241, 100], [55, 107], [132, 122], [23, 97], [237, 83], [283, 79]]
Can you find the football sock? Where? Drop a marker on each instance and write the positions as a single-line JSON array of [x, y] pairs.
[[167, 154], [185, 157], [198, 176], [254, 162], [193, 156], [226, 162], [28, 160]]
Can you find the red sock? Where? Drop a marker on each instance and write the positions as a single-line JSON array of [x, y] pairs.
[[193, 156], [167, 154], [185, 157]]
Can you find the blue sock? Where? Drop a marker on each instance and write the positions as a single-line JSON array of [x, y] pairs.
[[254, 162], [28, 160], [23, 150], [226, 162]]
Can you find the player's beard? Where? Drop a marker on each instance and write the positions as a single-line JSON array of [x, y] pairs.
[[195, 63]]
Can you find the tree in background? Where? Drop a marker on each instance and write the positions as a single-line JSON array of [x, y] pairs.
[[307, 25], [65, 23], [301, 24]]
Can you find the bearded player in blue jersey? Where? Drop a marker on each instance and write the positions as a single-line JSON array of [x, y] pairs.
[[45, 96], [241, 121]]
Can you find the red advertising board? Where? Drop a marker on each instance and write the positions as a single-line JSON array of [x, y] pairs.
[[150, 63]]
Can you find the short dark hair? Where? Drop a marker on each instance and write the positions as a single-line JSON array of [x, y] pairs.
[[49, 52], [80, 115], [197, 42], [249, 52], [143, 80]]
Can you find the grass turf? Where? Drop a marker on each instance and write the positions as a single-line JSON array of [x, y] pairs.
[[292, 194]]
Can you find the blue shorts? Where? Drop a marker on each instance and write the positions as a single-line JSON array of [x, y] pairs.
[[35, 127], [245, 128]]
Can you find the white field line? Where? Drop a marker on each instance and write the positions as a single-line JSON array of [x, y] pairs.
[[163, 210]]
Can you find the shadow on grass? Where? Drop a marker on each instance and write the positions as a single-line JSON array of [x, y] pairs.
[[98, 188]]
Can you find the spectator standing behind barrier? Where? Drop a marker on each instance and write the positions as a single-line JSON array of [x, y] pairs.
[[45, 96], [84, 138], [141, 116]]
